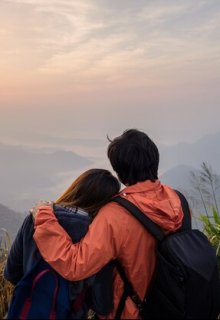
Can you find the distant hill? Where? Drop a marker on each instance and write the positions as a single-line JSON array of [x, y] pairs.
[[10, 220], [177, 162], [28, 175], [178, 177], [31, 174], [207, 149]]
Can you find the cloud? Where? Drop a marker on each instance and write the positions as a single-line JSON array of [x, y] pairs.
[[87, 39], [59, 52], [155, 14]]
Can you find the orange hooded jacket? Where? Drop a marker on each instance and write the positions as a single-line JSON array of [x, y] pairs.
[[114, 233]]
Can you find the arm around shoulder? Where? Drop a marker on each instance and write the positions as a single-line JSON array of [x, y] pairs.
[[78, 261]]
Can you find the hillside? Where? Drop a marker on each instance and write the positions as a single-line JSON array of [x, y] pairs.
[[10, 220], [206, 149], [28, 175], [178, 177]]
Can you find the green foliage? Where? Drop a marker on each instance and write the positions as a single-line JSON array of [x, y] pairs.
[[207, 185], [212, 229]]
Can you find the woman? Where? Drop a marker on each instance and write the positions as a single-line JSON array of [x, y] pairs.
[[74, 209]]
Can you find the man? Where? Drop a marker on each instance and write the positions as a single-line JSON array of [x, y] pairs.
[[115, 233]]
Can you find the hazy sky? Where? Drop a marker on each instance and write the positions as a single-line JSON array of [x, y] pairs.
[[85, 68]]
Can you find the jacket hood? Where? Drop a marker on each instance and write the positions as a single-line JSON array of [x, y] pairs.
[[159, 202]]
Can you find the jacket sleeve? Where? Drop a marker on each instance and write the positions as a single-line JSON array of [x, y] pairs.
[[13, 271], [77, 261]]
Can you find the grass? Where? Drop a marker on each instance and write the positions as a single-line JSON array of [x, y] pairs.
[[212, 230], [5, 287]]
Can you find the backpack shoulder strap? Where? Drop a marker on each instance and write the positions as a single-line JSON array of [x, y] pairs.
[[128, 292], [152, 227], [187, 221], [155, 230]]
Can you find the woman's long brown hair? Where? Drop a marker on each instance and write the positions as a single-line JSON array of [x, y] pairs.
[[90, 191]]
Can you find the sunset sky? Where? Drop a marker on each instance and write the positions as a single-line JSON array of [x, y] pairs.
[[87, 68]]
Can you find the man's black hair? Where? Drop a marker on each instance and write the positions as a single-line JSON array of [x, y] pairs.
[[134, 157]]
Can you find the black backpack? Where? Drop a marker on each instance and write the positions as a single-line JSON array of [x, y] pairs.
[[186, 281]]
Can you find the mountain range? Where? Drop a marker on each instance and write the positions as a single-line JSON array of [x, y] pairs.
[[30, 174], [10, 221], [206, 149], [179, 161]]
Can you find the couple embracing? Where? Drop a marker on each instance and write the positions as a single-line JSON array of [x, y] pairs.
[[91, 240]]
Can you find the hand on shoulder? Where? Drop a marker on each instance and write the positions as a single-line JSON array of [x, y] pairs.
[[33, 211]]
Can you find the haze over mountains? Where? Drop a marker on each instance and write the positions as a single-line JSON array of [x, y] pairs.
[[177, 161], [9, 221], [30, 174], [206, 149]]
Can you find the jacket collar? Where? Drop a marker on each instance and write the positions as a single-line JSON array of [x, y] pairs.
[[143, 186], [71, 210]]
